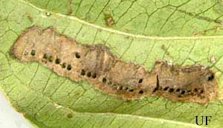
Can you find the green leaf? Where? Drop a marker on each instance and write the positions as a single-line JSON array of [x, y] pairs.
[[147, 17], [49, 100]]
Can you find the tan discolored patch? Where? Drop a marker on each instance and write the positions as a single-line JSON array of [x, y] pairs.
[[97, 65], [188, 83]]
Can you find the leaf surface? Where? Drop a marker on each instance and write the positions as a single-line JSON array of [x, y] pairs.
[[152, 18], [53, 101]]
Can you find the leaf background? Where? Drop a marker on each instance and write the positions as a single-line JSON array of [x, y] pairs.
[[185, 32]]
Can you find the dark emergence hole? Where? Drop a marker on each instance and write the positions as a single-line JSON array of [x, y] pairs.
[[82, 72], [33, 53], [57, 61], [171, 90], [104, 80], [77, 55], [45, 56], [63, 65], [69, 67], [140, 80], [126, 88], [183, 92], [195, 90], [94, 75], [89, 74], [178, 90], [211, 77], [50, 58], [201, 91], [165, 88], [141, 92], [131, 90]]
